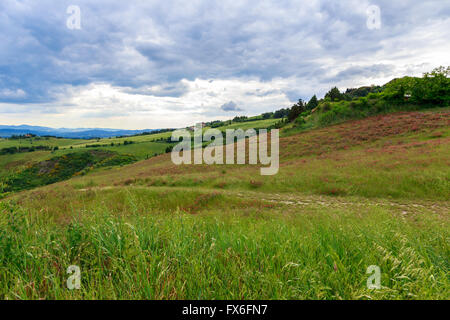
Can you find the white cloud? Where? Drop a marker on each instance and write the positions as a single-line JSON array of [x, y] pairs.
[[12, 94]]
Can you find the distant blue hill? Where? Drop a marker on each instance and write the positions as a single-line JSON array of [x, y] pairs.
[[79, 133]]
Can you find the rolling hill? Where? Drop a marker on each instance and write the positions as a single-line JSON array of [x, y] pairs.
[[363, 192]]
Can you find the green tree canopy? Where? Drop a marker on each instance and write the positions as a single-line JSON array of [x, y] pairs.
[[296, 110], [334, 94], [312, 103]]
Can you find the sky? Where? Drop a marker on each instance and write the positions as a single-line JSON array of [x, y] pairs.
[[141, 64]]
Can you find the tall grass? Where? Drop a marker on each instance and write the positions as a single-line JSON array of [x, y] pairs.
[[247, 253]]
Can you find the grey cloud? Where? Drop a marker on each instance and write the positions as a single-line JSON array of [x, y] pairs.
[[261, 93], [176, 90], [230, 106], [367, 72], [153, 44]]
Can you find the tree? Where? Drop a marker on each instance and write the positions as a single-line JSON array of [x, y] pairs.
[[313, 103], [267, 115], [396, 89], [296, 110], [434, 87], [240, 119], [334, 94], [353, 93], [281, 113]]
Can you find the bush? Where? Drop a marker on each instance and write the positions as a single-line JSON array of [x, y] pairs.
[[117, 160], [300, 120], [326, 118]]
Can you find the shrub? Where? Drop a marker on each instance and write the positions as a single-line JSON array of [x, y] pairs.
[[300, 120]]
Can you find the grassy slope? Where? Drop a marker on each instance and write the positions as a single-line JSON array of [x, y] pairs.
[[258, 124], [366, 192], [37, 141], [143, 147], [379, 157]]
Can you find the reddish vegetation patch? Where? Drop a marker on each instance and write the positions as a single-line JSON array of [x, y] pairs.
[[255, 184], [320, 143], [15, 164], [128, 182], [221, 185], [423, 145], [436, 135], [358, 132], [200, 203]]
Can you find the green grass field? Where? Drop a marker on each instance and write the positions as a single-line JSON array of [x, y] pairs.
[[38, 141], [258, 124], [356, 194], [142, 243]]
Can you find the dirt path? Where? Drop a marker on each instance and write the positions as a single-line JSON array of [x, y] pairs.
[[403, 206]]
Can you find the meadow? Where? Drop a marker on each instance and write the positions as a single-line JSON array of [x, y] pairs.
[[149, 243], [364, 192]]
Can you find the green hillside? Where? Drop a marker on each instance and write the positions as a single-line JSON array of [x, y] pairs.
[[363, 181]]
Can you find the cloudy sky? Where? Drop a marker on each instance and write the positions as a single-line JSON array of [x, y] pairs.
[[151, 64]]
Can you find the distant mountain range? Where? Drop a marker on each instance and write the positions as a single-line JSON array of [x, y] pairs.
[[78, 133]]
